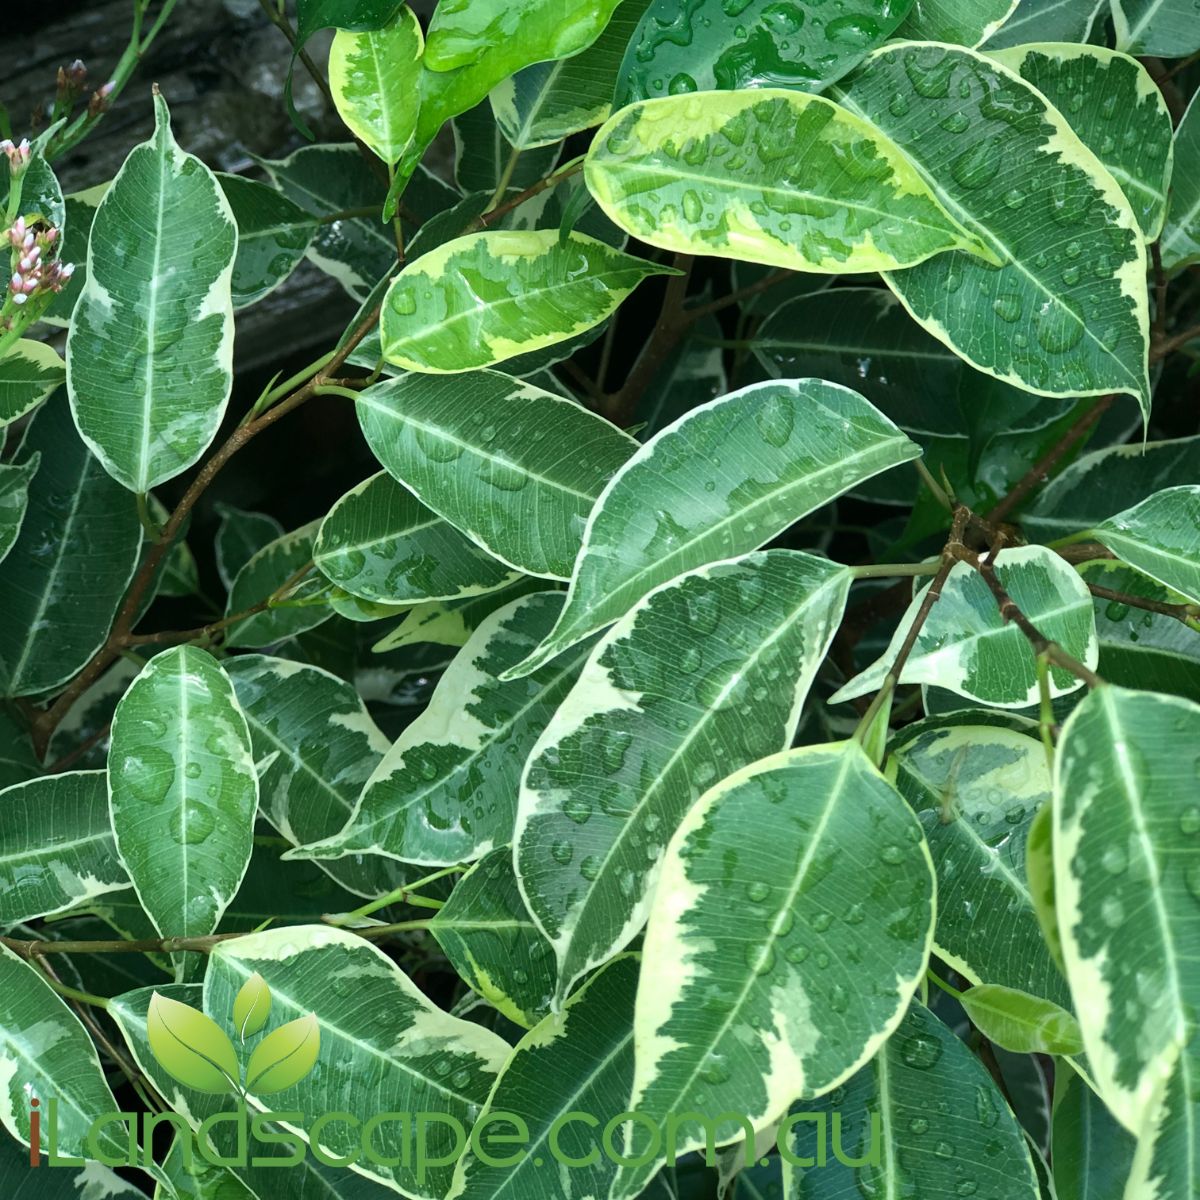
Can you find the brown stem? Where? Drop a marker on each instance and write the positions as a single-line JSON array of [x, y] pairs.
[[1181, 612], [745, 293], [69, 760], [1171, 344], [1081, 552], [47, 721], [502, 210], [1010, 611], [1040, 471], [673, 320]]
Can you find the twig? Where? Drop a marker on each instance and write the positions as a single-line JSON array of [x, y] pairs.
[[1181, 612], [1171, 344], [1040, 471], [745, 293], [502, 210]]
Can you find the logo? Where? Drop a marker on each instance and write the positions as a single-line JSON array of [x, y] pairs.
[[193, 1049]]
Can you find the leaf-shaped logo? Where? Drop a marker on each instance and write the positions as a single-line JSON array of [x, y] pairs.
[[285, 1056], [191, 1047], [252, 1006]]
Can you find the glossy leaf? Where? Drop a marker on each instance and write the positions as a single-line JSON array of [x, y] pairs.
[[481, 159], [685, 47], [451, 622], [549, 101], [963, 22], [1022, 1023], [1008, 166], [822, 864], [1166, 27], [75, 554], [492, 942], [273, 236], [48, 1054], [380, 543], [486, 297], [321, 746], [56, 846], [182, 790], [240, 536], [579, 1061], [262, 577], [470, 449], [977, 790], [768, 176], [14, 499], [376, 1027], [1099, 485], [703, 677], [29, 372], [1161, 537], [722, 480], [1118, 112], [89, 1181], [923, 1118], [375, 79], [1181, 237], [251, 1007], [1093, 1154], [1164, 1163], [1126, 866], [80, 211], [967, 647], [150, 352], [1048, 21], [191, 1047], [17, 759], [446, 791]]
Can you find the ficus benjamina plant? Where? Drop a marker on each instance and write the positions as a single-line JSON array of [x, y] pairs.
[[731, 727]]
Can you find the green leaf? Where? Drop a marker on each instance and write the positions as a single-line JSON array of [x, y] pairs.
[[375, 79], [1161, 537], [1166, 27], [462, 33], [486, 297], [1048, 21], [17, 759], [579, 1061], [513, 467], [721, 481], [312, 15], [80, 212], [262, 576], [14, 499], [192, 1176], [273, 236], [239, 537], [968, 647], [685, 47], [977, 790], [150, 352], [41, 196], [251, 1007], [56, 846], [334, 178], [91, 1181], [46, 1053], [191, 1047], [380, 543], [1140, 648], [703, 677], [1099, 485], [492, 942], [963, 22], [482, 154], [1127, 874], [451, 622], [943, 1128], [1181, 237], [322, 746], [1020, 1022], [446, 791], [182, 790], [1093, 1154], [772, 844], [29, 372], [301, 1181], [64, 577], [1164, 1163], [376, 1028], [1068, 312], [285, 1056], [982, 432], [549, 101], [768, 176], [1118, 112]]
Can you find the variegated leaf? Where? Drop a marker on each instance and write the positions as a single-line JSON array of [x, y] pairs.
[[703, 677], [29, 372], [150, 352], [1161, 537]]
